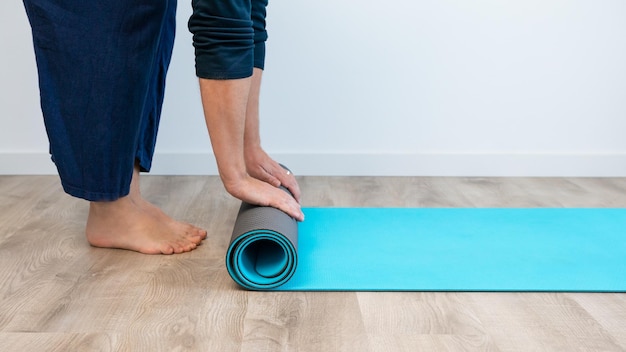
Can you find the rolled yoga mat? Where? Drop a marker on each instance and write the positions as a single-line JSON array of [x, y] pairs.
[[263, 251], [431, 249]]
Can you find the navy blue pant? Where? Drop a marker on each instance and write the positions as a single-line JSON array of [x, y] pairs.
[[102, 67]]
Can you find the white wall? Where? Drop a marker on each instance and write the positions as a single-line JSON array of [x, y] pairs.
[[401, 87]]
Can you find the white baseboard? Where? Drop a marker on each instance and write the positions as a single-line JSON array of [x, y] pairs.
[[458, 164], [374, 164], [26, 163]]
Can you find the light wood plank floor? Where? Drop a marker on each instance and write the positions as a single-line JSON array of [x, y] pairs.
[[59, 294]]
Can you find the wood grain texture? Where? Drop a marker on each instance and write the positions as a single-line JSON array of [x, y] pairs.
[[59, 294]]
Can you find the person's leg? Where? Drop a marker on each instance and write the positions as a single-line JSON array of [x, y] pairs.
[[132, 223], [151, 118], [224, 41], [173, 226], [93, 77]]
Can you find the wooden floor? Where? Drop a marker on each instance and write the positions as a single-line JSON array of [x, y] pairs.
[[59, 294]]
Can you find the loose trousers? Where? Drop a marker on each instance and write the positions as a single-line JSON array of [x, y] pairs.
[[102, 69]]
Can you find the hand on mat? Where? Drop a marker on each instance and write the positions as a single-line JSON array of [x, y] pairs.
[[257, 192], [260, 166]]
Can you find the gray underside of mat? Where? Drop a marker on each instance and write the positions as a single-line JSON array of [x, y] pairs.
[[252, 218]]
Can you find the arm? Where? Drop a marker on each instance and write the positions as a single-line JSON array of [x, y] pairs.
[[225, 103], [258, 163]]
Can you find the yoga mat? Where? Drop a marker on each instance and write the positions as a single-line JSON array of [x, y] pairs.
[[435, 249], [263, 248]]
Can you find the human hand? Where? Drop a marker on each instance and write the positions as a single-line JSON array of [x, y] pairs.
[[260, 166], [257, 192]]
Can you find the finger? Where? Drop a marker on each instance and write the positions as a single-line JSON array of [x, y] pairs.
[[262, 174], [269, 178], [292, 185], [290, 206], [295, 211]]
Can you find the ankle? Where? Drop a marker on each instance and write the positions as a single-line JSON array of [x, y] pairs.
[[102, 207]]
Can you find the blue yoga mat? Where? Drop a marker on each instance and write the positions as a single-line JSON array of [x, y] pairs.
[[436, 249]]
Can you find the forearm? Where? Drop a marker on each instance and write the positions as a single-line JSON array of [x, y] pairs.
[[224, 103], [252, 138]]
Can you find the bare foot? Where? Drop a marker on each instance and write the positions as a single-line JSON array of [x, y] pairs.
[[158, 214], [123, 224], [136, 197], [133, 223]]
